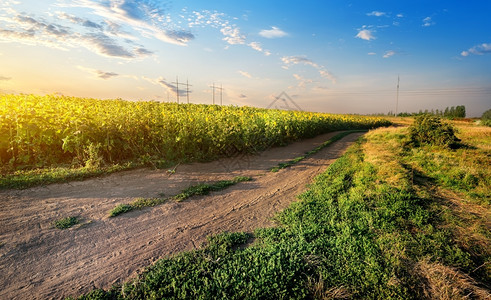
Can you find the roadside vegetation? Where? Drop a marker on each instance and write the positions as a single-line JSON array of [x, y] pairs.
[[292, 162], [194, 190], [66, 223], [46, 139], [390, 219], [486, 118]]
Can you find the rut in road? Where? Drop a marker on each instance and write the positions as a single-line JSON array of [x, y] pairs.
[[39, 261]]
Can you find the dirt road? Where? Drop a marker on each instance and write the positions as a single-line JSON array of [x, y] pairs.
[[38, 261]]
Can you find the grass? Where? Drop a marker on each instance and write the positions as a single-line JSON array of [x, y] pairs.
[[199, 189], [313, 151], [368, 227], [464, 169], [66, 223], [23, 179]]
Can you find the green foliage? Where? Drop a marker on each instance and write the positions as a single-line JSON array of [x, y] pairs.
[[455, 112], [66, 222], [120, 209], [312, 152], [449, 112], [27, 178], [430, 130], [205, 189], [199, 189], [39, 132], [486, 118]]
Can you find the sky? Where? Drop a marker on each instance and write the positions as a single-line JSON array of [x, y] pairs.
[[335, 56]]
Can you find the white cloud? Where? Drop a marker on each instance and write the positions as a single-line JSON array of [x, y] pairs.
[[376, 13], [389, 53], [245, 74], [372, 53], [272, 33], [169, 86], [328, 75], [146, 16], [302, 82], [484, 48], [427, 22], [232, 35], [98, 73], [231, 32], [294, 60], [257, 46], [63, 31], [400, 15], [365, 34]]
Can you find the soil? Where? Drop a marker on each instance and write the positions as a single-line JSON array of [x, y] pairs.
[[39, 261]]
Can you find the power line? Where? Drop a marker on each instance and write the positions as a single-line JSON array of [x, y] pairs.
[[187, 89], [213, 92], [177, 88], [213, 88], [397, 97]]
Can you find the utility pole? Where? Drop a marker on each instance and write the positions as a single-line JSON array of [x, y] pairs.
[[187, 89], [213, 92], [221, 93], [397, 97], [177, 88]]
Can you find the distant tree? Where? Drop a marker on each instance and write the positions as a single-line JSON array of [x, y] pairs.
[[455, 112], [486, 118], [460, 111]]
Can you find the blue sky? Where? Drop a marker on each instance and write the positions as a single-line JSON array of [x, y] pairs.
[[331, 56]]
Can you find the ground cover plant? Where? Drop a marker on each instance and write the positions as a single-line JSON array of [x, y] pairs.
[[66, 223], [486, 118], [194, 190], [313, 151], [373, 226], [431, 130], [45, 139]]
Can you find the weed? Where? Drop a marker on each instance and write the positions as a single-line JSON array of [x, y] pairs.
[[430, 130], [120, 209], [205, 189], [66, 223], [314, 151], [200, 189]]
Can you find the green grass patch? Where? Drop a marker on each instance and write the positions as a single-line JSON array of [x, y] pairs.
[[28, 178], [206, 188], [314, 151], [200, 189], [120, 209], [66, 223], [464, 169]]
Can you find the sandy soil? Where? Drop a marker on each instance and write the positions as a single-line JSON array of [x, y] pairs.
[[39, 261]]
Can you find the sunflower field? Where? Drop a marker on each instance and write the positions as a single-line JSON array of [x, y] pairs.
[[43, 131]]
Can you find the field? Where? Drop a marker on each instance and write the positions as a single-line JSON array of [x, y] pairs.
[[404, 213], [54, 138], [381, 222]]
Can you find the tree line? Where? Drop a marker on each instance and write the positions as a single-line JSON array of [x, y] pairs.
[[452, 112]]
